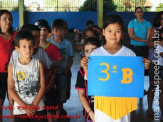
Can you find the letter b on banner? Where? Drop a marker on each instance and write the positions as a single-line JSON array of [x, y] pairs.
[[127, 75]]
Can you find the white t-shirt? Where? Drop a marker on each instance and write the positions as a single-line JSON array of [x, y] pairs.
[[27, 84], [40, 54], [124, 51], [160, 50]]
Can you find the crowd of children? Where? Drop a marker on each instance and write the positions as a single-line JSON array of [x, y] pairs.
[[38, 68]]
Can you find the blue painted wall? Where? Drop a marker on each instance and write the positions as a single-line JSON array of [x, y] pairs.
[[128, 16], [75, 19], [16, 19]]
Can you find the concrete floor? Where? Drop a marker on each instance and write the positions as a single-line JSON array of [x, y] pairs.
[[74, 107]]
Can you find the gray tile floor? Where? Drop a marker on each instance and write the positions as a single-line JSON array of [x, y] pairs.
[[74, 107]]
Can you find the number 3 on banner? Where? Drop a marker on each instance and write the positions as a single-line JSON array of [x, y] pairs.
[[105, 71], [127, 74]]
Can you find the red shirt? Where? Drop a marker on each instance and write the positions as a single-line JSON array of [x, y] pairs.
[[53, 52], [6, 48]]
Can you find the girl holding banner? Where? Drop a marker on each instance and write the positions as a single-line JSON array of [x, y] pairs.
[[113, 109]]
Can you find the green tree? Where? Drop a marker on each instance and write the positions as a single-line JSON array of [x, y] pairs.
[[129, 5], [61, 5], [91, 5], [17, 9], [8, 4], [160, 7], [51, 5]]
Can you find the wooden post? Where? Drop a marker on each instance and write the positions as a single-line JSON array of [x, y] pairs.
[[21, 12], [100, 12]]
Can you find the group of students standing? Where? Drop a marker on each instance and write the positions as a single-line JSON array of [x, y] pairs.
[[142, 42], [38, 60], [30, 64]]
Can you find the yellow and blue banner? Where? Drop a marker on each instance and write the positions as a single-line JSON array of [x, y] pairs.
[[116, 76]]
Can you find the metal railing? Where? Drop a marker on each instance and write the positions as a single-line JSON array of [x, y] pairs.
[[53, 5], [8, 4], [72, 5]]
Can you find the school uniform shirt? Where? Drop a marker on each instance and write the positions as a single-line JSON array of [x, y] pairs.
[[53, 52], [65, 48], [39, 54], [114, 108], [81, 84], [140, 30], [6, 48], [27, 84]]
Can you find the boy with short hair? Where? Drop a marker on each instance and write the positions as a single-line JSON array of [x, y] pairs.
[[38, 53], [63, 76], [26, 81], [51, 97], [51, 50]]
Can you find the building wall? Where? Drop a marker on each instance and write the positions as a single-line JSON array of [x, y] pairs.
[[75, 19]]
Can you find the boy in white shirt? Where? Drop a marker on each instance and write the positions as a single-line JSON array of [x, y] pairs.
[[26, 81]]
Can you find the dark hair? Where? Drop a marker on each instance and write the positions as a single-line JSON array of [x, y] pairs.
[[11, 29], [157, 19], [30, 28], [138, 8], [91, 28], [23, 35], [59, 24], [97, 27], [93, 41], [89, 22], [43, 23], [111, 19]]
